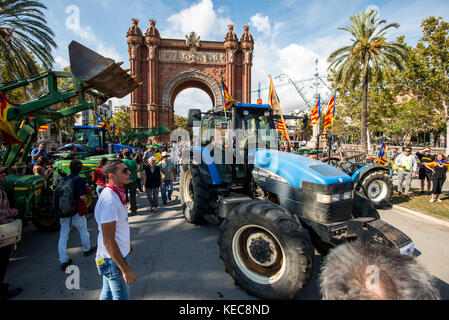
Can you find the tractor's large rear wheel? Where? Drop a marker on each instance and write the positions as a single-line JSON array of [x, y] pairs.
[[194, 196], [266, 250], [378, 188]]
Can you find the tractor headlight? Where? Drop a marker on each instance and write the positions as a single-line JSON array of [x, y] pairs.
[[264, 174], [330, 198]]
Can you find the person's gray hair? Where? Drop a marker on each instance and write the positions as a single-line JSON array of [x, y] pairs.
[[347, 272]]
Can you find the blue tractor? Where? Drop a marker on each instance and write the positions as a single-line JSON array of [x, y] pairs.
[[90, 140], [372, 180], [274, 207]]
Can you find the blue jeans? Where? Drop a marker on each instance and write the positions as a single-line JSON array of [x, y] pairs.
[[152, 195], [81, 224], [114, 285], [167, 187]]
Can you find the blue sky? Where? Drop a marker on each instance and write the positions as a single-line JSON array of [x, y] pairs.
[[289, 34]]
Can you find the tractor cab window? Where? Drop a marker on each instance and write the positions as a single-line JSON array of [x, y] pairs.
[[89, 137], [254, 124]]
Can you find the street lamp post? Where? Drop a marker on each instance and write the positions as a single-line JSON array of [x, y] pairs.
[[425, 125]]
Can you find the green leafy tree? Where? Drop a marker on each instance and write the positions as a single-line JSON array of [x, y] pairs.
[[122, 121], [182, 123], [370, 56], [427, 73], [24, 33]]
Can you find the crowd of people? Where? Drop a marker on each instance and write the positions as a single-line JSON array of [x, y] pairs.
[[154, 169], [427, 167]]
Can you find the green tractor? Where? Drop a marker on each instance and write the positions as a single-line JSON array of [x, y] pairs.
[[94, 79]]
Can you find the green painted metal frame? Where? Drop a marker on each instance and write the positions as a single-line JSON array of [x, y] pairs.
[[26, 128]]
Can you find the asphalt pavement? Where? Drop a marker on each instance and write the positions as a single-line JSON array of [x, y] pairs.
[[174, 260]]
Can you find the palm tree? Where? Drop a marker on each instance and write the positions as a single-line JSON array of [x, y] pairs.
[[24, 35], [369, 56]]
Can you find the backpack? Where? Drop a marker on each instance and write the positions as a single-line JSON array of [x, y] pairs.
[[64, 201]]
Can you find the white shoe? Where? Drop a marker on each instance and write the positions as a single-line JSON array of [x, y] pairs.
[[439, 200], [431, 200]]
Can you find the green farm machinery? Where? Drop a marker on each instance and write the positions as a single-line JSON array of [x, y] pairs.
[[93, 80]]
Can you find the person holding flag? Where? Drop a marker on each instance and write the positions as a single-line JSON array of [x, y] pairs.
[[439, 169]]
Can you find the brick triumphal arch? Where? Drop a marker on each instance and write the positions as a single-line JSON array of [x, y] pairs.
[[165, 67]]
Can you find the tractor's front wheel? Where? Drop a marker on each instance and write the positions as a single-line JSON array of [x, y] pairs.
[[266, 250], [194, 196]]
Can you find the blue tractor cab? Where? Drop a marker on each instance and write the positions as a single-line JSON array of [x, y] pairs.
[[94, 141]]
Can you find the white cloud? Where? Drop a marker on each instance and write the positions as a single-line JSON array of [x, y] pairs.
[[191, 98], [87, 35], [198, 18], [296, 59], [61, 63], [262, 24]]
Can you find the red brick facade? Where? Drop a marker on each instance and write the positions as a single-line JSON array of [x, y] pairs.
[[165, 67]]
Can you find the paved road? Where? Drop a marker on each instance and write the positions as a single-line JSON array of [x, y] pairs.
[[175, 260]]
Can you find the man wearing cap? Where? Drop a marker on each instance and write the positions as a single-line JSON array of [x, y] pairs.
[[424, 157], [168, 174]]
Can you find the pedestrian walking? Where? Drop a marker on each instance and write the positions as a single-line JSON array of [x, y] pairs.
[[7, 215], [65, 200], [140, 165], [152, 182], [147, 155], [168, 175], [424, 157], [114, 241], [439, 170], [98, 177], [131, 187], [407, 168]]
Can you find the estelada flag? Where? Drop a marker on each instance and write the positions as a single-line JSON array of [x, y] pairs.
[[381, 159], [273, 99], [228, 99], [115, 129], [329, 118], [315, 114], [8, 134], [43, 127], [100, 121], [434, 163]]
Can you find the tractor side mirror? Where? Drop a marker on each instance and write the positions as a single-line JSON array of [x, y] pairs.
[[194, 115]]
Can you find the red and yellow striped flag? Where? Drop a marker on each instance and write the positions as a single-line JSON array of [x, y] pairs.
[[228, 99], [315, 114], [8, 134], [329, 118]]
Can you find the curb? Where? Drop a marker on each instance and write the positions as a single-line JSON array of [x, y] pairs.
[[422, 216]]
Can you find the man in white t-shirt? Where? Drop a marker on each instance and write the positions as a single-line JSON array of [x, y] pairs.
[[114, 245]]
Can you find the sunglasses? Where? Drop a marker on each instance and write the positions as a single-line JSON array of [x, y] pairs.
[[406, 150]]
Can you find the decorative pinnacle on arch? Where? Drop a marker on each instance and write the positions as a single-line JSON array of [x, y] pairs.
[[231, 36]]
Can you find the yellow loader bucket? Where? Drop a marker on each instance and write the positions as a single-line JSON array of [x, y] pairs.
[[99, 72]]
